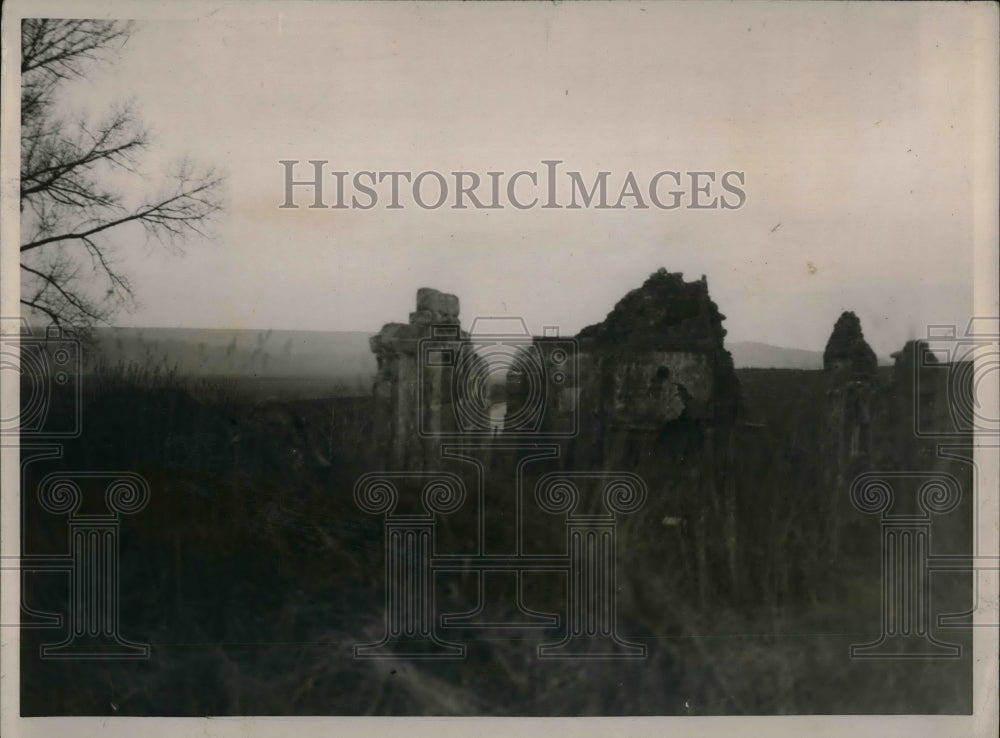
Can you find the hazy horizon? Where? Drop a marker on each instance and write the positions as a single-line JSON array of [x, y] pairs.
[[284, 352], [365, 332]]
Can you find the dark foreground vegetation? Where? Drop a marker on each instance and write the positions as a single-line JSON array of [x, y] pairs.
[[251, 573]]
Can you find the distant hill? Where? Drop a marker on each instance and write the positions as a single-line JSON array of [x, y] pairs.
[[240, 353], [209, 352], [754, 355]]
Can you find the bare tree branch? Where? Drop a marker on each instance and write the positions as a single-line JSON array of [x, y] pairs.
[[71, 191]]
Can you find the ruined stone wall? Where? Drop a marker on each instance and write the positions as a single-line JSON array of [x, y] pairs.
[[851, 370], [657, 358], [412, 388], [847, 352], [659, 355], [653, 387], [920, 399]]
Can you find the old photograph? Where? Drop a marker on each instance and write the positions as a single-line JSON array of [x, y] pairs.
[[536, 360]]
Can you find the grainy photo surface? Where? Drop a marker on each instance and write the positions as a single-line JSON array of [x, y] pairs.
[[526, 360]]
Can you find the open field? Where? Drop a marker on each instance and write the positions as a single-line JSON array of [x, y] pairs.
[[251, 573]]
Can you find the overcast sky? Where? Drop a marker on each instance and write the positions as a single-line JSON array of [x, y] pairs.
[[854, 125]]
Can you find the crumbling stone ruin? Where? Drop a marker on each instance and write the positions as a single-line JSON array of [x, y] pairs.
[[911, 391], [919, 399], [851, 366], [413, 393], [847, 354], [661, 354], [658, 358]]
